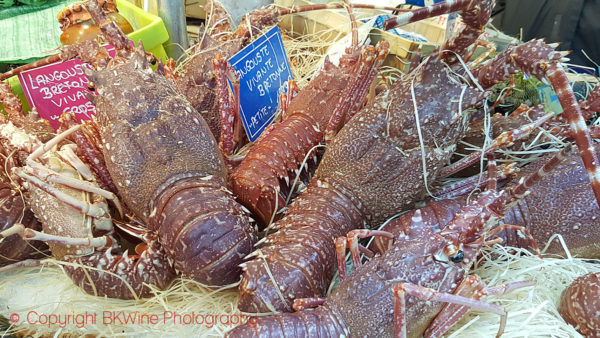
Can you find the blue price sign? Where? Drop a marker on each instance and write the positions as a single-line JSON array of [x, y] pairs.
[[263, 69]]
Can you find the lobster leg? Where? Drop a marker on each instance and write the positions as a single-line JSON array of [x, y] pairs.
[[85, 207], [474, 288], [522, 229], [352, 98], [230, 107], [50, 176], [539, 59], [307, 303], [353, 237], [401, 290], [471, 183], [351, 240], [506, 139], [88, 141], [33, 235], [286, 99]]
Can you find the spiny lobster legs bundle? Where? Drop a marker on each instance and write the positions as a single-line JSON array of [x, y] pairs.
[[12, 207], [379, 163]]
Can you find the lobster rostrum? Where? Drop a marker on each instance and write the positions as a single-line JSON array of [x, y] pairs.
[[263, 180], [166, 164], [580, 303], [420, 287], [375, 166]]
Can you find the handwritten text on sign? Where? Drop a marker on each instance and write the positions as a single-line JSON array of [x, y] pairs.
[[57, 88], [263, 69]]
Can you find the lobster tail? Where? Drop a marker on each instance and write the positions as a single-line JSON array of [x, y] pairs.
[[122, 276], [300, 257], [320, 322], [204, 230], [13, 248], [260, 180]]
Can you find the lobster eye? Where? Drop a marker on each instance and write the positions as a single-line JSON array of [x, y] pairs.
[[91, 86], [458, 257]]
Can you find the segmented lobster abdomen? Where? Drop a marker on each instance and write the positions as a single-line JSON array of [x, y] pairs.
[[12, 210], [120, 275], [205, 232], [272, 163], [319, 322], [301, 256]]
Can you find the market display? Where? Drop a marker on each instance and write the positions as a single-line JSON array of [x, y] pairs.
[[163, 196]]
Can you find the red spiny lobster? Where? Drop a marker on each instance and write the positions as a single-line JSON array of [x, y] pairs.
[[419, 287], [265, 177], [375, 166], [580, 304]]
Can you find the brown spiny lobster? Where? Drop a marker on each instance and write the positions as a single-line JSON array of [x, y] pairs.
[[74, 217], [166, 164], [580, 304], [377, 164], [264, 179], [420, 287]]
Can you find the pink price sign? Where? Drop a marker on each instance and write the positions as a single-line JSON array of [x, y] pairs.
[[59, 87]]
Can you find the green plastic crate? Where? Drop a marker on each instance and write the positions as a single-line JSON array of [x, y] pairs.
[[147, 27]]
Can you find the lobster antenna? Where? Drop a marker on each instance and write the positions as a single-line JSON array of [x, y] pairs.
[[353, 25], [111, 32]]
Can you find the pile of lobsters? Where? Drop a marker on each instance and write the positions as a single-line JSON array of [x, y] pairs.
[[162, 182]]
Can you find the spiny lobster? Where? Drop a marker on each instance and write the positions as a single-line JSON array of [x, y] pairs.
[[197, 82], [72, 212], [421, 286], [561, 203], [172, 178], [375, 166], [166, 164], [264, 179], [580, 304]]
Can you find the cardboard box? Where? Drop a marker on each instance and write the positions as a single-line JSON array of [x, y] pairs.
[[337, 24]]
